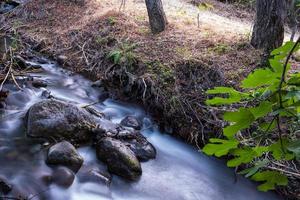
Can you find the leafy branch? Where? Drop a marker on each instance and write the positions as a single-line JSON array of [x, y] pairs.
[[267, 107]]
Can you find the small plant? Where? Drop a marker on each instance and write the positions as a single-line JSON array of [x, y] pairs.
[[123, 55], [205, 6], [269, 109], [111, 20], [220, 48]]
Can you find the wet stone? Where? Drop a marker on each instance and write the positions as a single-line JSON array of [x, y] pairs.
[[138, 143], [5, 187], [132, 122], [64, 153], [97, 84], [59, 120], [119, 158], [6, 6], [63, 177], [39, 83], [94, 174], [46, 94]]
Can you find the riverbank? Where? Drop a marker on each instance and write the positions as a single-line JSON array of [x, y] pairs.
[[167, 73]]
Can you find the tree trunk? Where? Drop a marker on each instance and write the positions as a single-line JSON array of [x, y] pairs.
[[157, 16], [268, 30]]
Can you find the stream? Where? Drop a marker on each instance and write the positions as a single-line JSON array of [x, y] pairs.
[[179, 172]]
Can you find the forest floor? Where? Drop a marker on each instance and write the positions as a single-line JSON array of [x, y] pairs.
[[168, 73]]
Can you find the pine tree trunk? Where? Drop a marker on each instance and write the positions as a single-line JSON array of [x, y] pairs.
[[268, 30], [157, 17]]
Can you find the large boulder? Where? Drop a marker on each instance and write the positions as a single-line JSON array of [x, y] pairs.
[[65, 154], [59, 120], [119, 158]]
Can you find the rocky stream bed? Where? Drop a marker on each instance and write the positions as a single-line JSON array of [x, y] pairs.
[[63, 138]]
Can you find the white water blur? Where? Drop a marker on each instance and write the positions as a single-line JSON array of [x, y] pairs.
[[179, 172]]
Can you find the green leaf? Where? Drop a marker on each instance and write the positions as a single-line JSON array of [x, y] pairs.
[[277, 65], [271, 179], [219, 147], [294, 79], [283, 50], [115, 56], [260, 77], [262, 110], [222, 90], [233, 96], [279, 150], [252, 170], [245, 155], [241, 119], [295, 148], [293, 94], [223, 101]]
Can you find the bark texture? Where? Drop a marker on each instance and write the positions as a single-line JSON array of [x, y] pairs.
[[157, 16], [268, 30]]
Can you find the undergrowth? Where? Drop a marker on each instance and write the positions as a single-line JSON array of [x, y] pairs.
[[263, 121]]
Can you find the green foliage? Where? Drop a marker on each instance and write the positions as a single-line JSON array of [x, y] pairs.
[[295, 148], [280, 151], [233, 96], [245, 155], [205, 6], [123, 55], [240, 120], [256, 167], [111, 20], [271, 179], [268, 105], [219, 147]]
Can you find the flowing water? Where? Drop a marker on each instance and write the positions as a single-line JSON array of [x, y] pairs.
[[179, 172]]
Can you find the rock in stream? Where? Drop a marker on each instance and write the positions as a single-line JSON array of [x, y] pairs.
[[119, 158], [64, 153], [53, 119], [131, 122], [143, 149]]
